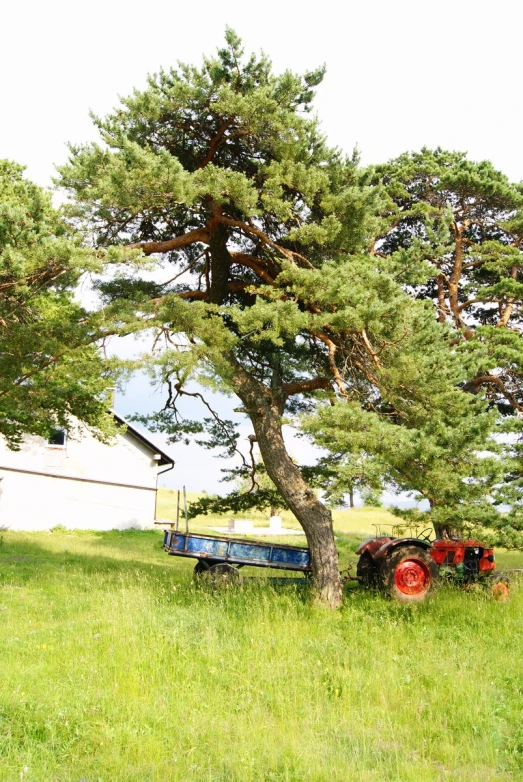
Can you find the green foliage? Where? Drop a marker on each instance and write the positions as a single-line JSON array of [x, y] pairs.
[[371, 498], [50, 367], [157, 158], [311, 278], [460, 223], [438, 458], [253, 490], [261, 499], [229, 144], [463, 222]]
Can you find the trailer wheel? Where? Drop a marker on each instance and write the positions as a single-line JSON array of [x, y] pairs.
[[408, 574], [201, 567], [223, 575]]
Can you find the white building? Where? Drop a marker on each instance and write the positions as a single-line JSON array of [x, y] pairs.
[[81, 483]]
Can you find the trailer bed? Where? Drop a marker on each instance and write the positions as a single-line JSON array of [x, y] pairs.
[[216, 549]]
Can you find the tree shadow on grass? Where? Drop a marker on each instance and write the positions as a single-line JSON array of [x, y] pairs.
[[25, 557]]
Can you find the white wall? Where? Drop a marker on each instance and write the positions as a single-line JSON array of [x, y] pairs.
[[39, 502]]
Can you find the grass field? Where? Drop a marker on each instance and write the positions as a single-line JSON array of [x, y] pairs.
[[116, 667], [356, 520]]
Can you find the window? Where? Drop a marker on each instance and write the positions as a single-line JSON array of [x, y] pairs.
[[57, 438]]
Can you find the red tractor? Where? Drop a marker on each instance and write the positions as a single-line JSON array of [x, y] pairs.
[[408, 567]]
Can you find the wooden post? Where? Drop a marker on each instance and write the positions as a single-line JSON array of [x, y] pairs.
[[185, 509]]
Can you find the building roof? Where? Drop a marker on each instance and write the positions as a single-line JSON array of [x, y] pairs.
[[164, 458]]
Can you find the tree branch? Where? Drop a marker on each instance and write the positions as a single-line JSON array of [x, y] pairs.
[[332, 362], [304, 386], [367, 343], [469, 302], [180, 392], [255, 264], [507, 311], [186, 269], [177, 243], [215, 143], [42, 276], [492, 380], [235, 286], [251, 229]]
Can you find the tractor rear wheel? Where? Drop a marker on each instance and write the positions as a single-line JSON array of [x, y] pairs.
[[408, 574]]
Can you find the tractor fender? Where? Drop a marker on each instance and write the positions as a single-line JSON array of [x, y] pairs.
[[371, 545], [390, 545]]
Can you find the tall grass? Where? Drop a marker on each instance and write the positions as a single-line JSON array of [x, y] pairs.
[[116, 666]]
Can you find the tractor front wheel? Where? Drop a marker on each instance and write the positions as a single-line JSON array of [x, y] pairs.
[[367, 571], [408, 574], [500, 586]]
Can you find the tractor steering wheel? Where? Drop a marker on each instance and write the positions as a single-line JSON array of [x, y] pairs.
[[425, 534]]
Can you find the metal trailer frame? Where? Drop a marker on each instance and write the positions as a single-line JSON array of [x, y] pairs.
[[218, 549]]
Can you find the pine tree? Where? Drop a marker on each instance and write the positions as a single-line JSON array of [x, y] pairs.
[[50, 367], [277, 298], [463, 223]]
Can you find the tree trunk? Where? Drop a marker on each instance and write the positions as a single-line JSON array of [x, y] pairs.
[[506, 311], [220, 264], [445, 531], [442, 306], [265, 409], [351, 498]]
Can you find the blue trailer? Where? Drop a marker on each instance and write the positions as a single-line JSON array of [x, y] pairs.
[[219, 558]]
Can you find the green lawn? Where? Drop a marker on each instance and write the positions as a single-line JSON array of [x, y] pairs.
[[115, 666]]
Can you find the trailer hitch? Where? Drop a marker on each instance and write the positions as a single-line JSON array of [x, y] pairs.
[[346, 575]]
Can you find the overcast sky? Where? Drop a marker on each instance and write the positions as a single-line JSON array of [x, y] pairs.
[[400, 75]]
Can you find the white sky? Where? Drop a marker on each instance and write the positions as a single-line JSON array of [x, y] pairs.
[[400, 75]]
